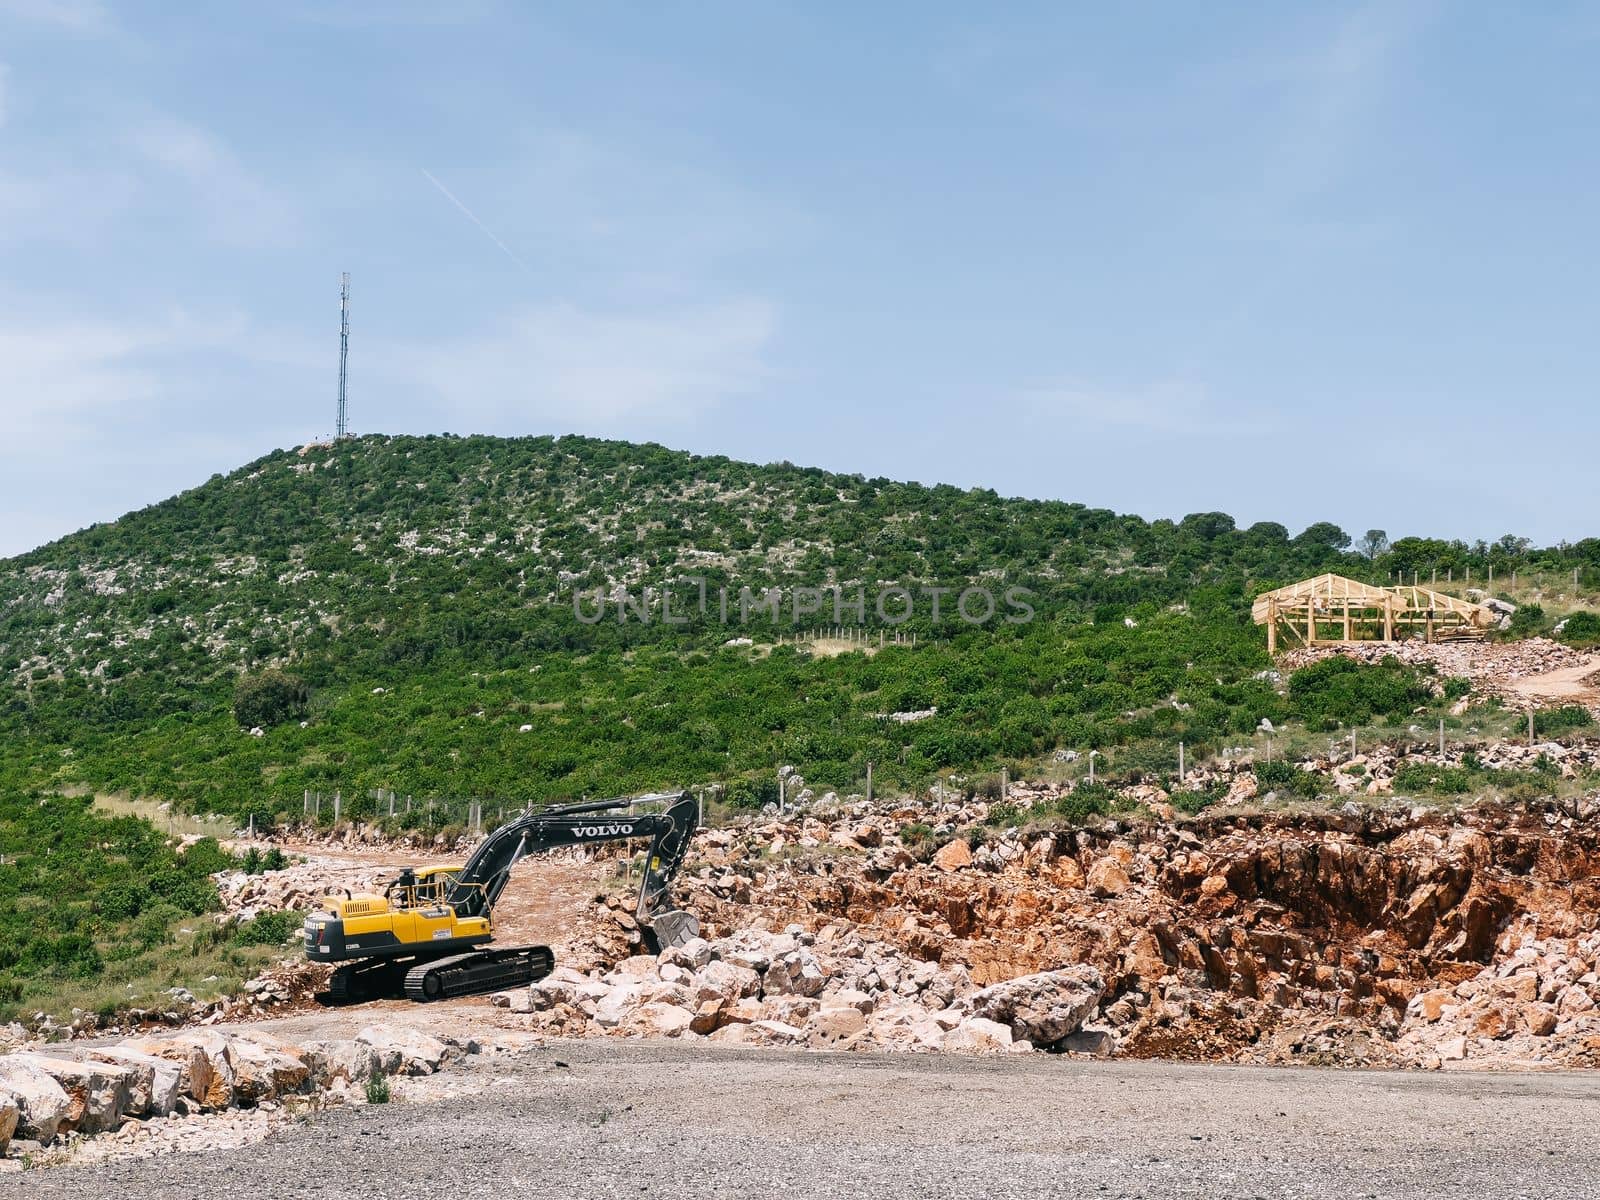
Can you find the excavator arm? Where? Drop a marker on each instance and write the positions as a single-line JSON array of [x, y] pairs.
[[668, 820]]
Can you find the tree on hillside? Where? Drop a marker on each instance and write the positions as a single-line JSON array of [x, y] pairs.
[[269, 698], [1323, 535], [1374, 542]]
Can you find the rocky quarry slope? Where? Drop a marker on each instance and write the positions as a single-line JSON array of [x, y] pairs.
[[1393, 936], [1399, 937]]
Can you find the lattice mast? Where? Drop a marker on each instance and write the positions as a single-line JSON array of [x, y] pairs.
[[343, 424]]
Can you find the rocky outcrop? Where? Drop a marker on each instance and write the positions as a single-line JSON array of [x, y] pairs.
[[1280, 937], [41, 1103], [44, 1097]]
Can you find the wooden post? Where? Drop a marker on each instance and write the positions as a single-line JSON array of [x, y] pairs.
[[1272, 625], [1388, 618], [1530, 725], [1430, 626], [1311, 622], [338, 798], [1347, 618], [1180, 764], [1441, 736], [869, 783]]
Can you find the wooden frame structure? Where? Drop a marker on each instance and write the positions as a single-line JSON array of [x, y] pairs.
[[1333, 609]]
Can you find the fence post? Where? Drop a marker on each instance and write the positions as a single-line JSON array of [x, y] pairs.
[[338, 799], [1180, 764], [869, 783]]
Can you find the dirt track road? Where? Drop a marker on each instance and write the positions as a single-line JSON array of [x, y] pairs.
[[1570, 685], [640, 1119]]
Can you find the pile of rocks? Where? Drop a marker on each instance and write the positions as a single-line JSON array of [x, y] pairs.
[[831, 989], [1537, 1004], [298, 887], [46, 1096]]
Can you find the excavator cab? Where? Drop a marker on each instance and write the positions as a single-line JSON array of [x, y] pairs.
[[424, 887], [427, 933]]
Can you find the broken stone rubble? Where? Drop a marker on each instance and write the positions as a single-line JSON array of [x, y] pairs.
[[45, 1097]]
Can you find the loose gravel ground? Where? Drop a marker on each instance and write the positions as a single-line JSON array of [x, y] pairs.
[[606, 1119]]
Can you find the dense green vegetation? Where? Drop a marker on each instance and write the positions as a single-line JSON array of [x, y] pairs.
[[392, 612], [452, 617], [96, 907]]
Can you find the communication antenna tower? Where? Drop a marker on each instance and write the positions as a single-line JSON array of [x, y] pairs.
[[344, 352]]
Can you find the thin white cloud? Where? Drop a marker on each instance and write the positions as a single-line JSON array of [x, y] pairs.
[[72, 16], [600, 370], [1332, 91], [240, 207], [1171, 407]]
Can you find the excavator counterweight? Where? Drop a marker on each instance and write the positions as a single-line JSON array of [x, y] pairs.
[[428, 935]]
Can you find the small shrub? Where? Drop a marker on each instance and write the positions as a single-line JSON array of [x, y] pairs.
[[752, 793], [269, 698], [1083, 802], [1340, 690], [1004, 814], [378, 1089], [1582, 629], [1195, 800], [1559, 720], [1423, 777], [1283, 776], [269, 929], [1527, 620]]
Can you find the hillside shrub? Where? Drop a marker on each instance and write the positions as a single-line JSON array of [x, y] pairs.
[[269, 698], [1582, 629], [1340, 691], [1561, 720]]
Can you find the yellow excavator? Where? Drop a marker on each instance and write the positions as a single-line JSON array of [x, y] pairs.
[[427, 936]]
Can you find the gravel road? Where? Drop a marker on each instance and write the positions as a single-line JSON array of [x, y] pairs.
[[638, 1119]]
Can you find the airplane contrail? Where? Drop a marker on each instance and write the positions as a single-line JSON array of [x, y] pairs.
[[471, 216]]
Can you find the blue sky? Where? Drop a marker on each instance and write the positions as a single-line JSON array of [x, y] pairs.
[[1292, 262]]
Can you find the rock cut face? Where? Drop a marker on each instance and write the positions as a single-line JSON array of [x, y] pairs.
[[1284, 937]]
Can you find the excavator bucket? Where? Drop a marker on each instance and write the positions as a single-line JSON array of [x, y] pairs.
[[672, 927]]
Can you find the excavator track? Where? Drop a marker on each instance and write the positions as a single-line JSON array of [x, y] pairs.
[[478, 971], [356, 983]]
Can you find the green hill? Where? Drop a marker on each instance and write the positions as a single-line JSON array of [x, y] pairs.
[[420, 615], [438, 595]]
